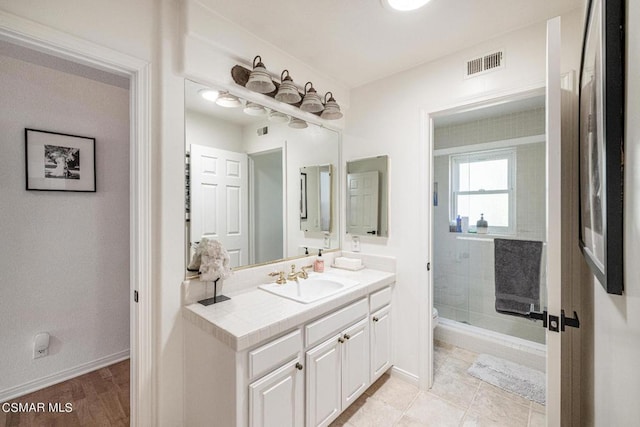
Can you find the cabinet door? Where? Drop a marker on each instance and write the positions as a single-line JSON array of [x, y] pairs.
[[277, 400], [355, 362], [380, 342], [323, 382]]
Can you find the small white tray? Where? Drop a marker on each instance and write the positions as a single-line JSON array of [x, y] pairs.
[[348, 268]]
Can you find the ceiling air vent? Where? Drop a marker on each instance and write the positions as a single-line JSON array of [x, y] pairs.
[[484, 64]]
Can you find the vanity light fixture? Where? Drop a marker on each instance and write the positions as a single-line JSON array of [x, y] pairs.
[[209, 94], [297, 123], [404, 5], [311, 102], [254, 109], [278, 117], [287, 92], [259, 80], [331, 108], [225, 99]]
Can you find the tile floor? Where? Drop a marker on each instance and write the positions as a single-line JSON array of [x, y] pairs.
[[456, 399]]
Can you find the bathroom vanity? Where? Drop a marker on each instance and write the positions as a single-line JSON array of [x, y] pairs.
[[260, 359]]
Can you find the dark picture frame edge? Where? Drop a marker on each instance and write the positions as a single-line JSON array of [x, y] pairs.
[[92, 159], [611, 276]]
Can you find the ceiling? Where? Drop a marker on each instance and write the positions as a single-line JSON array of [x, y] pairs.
[[359, 41]]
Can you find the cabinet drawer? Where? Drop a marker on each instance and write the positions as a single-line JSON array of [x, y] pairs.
[[380, 298], [273, 354], [334, 322]]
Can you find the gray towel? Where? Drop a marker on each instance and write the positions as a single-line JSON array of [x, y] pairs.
[[517, 275]]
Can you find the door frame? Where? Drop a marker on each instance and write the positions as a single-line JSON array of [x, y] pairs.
[[45, 39], [427, 117]]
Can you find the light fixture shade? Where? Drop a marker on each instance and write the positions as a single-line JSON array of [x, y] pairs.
[[287, 92], [278, 117], [259, 80], [254, 109], [404, 5], [297, 123], [331, 108], [311, 102], [225, 99], [209, 94]]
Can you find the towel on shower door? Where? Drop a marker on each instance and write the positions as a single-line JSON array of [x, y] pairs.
[[517, 276]]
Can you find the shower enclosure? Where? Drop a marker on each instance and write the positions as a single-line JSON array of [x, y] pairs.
[[489, 165]]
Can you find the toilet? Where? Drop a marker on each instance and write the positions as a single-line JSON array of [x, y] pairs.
[[434, 317]]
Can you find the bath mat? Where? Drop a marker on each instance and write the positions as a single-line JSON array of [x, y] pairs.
[[521, 380]]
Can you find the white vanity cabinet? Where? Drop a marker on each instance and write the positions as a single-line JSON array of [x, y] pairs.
[[306, 376], [277, 398], [380, 318], [337, 368]]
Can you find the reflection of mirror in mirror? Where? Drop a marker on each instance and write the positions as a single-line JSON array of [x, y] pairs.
[[367, 197], [315, 198], [243, 179]]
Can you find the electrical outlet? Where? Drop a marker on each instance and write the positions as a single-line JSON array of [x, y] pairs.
[[355, 244]]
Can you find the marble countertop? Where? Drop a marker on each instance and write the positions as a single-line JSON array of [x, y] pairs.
[[254, 316]]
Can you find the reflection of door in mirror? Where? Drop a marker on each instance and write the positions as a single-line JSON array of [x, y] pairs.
[[315, 198], [367, 197], [362, 203], [218, 192]]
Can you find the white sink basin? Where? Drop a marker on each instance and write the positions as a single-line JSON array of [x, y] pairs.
[[310, 290]]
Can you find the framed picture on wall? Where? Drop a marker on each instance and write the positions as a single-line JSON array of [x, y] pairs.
[[601, 146], [60, 162]]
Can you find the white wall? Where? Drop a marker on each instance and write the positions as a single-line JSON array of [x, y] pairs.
[[616, 322], [64, 257], [208, 131], [386, 118]]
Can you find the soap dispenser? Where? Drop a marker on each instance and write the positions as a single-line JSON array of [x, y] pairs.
[[482, 226], [318, 265]]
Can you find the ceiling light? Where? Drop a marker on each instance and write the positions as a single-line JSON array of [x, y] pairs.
[[288, 92], [297, 123], [209, 94], [278, 117], [331, 108], [225, 99], [259, 80], [404, 5], [311, 102], [254, 109]]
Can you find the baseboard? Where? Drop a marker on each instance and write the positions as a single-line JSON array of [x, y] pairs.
[[67, 374], [405, 376]]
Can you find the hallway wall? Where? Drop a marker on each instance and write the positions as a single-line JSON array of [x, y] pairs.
[[64, 256]]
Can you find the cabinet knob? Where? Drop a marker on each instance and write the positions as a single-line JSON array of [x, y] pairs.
[[299, 366], [340, 340], [375, 319], [347, 336]]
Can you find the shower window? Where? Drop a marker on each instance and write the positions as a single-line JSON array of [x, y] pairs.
[[482, 183]]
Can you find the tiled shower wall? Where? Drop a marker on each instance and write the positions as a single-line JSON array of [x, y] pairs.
[[464, 288]]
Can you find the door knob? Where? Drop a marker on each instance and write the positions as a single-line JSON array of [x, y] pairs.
[[375, 319], [299, 366], [340, 340], [347, 336]]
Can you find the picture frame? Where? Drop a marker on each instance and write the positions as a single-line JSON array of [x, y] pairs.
[[59, 162], [601, 142], [303, 195]]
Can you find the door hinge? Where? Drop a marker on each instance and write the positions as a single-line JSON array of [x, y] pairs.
[[428, 266], [556, 323], [135, 296]]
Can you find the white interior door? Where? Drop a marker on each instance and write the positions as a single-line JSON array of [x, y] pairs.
[[554, 218], [362, 203], [219, 200]]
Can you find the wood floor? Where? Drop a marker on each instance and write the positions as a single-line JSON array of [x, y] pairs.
[[99, 398]]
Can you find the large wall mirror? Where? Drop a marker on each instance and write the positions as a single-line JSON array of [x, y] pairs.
[[368, 197], [245, 165]]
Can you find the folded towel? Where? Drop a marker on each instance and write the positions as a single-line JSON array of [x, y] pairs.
[[517, 276]]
